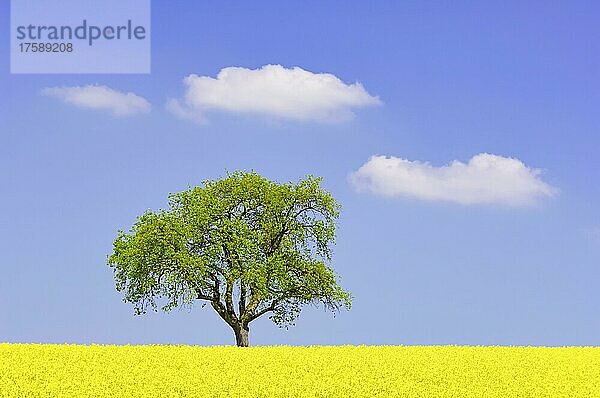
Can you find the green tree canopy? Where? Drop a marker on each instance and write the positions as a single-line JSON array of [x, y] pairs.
[[244, 244]]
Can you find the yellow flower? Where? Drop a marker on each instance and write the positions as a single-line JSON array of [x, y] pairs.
[[40, 370]]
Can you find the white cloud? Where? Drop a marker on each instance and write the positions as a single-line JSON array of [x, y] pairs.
[[272, 90], [184, 112], [100, 98], [485, 179]]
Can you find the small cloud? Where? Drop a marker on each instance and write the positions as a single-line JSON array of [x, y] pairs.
[[485, 179], [184, 112], [103, 98], [272, 90]]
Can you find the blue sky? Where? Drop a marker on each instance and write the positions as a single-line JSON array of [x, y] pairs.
[[455, 79]]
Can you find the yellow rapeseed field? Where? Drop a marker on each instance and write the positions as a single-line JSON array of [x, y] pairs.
[[38, 370]]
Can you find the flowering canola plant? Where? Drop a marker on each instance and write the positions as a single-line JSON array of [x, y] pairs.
[[45, 370]]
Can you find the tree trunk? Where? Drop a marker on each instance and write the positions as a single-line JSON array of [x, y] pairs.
[[241, 336]]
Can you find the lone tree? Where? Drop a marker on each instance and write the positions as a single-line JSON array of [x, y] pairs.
[[244, 244]]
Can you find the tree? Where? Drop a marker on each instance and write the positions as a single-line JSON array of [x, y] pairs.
[[244, 244]]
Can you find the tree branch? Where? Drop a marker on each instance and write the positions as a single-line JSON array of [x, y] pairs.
[[271, 307], [229, 298], [201, 296], [242, 302]]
